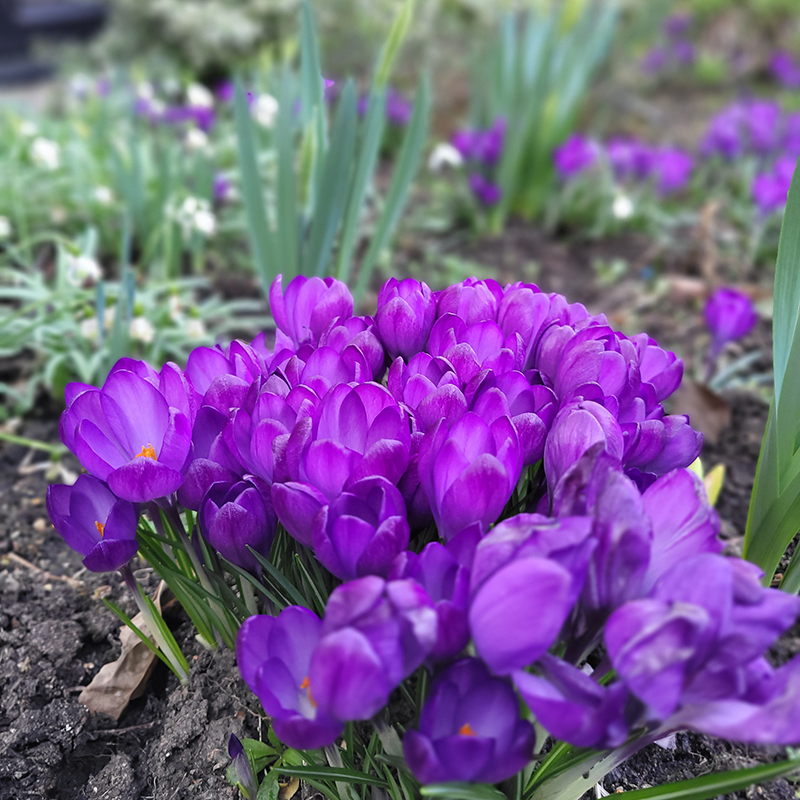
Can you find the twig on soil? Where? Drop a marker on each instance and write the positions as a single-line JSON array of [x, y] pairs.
[[123, 731], [71, 582]]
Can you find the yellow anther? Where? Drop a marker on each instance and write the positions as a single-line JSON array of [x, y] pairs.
[[100, 528], [466, 730], [148, 451]]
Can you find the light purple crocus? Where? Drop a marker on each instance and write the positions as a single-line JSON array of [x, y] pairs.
[[235, 516], [94, 522], [673, 170], [128, 435], [574, 156], [487, 192], [274, 657], [470, 729]]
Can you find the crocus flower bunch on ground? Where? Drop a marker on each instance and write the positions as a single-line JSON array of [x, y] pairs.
[[481, 149], [494, 498]]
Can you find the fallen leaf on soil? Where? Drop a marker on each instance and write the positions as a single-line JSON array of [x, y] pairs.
[[122, 680], [708, 412], [288, 790]]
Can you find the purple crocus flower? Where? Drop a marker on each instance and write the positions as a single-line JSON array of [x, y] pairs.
[[574, 156], [488, 193], [274, 656], [406, 312], [129, 436], [785, 70], [469, 729], [233, 516], [94, 522], [677, 24], [655, 60], [221, 188], [469, 471], [446, 581], [224, 91], [526, 576], [242, 768], [673, 170], [375, 633], [362, 531], [308, 306], [730, 315], [398, 109]]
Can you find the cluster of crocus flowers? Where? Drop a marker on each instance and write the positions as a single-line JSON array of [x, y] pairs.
[[490, 477], [632, 161], [481, 150], [785, 70], [676, 52]]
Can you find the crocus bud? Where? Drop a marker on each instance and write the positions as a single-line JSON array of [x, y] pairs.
[[241, 770], [93, 521], [730, 315], [406, 312]]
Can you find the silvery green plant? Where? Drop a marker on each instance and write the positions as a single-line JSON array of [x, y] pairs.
[[323, 203]]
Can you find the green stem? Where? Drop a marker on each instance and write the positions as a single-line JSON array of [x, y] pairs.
[[55, 450], [168, 648]]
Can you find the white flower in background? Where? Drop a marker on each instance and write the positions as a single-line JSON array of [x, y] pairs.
[[141, 330], [104, 195], [622, 207], [28, 128], [199, 95], [89, 329], [81, 269], [196, 215], [5, 228], [45, 153], [265, 110], [80, 84], [145, 91], [444, 155], [196, 140], [175, 308], [195, 330]]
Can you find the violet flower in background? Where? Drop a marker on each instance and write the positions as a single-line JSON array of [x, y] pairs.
[[221, 189], [469, 729], [574, 156], [673, 170], [770, 189], [488, 193], [677, 25], [730, 315], [785, 70], [94, 522]]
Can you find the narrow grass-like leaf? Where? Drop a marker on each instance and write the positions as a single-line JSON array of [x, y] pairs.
[[286, 586], [462, 791], [260, 235], [334, 184], [707, 787], [312, 90], [406, 168], [334, 774], [288, 236], [397, 33]]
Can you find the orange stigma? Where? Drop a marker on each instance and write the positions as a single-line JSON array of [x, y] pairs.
[[466, 730], [100, 528], [306, 684], [148, 452]]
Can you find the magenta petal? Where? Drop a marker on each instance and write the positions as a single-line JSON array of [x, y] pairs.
[[110, 554], [144, 479]]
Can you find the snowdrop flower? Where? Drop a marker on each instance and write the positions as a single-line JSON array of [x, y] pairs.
[[45, 153], [199, 95], [622, 207], [444, 155], [81, 269], [195, 329], [28, 128], [205, 222], [141, 330], [265, 110], [5, 228], [196, 215], [103, 195], [89, 329], [196, 140]]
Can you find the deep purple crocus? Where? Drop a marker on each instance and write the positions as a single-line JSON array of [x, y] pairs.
[[470, 729], [362, 531], [406, 312], [242, 768], [487, 192], [94, 522], [233, 516], [574, 156], [375, 633], [730, 315], [673, 170], [274, 656]]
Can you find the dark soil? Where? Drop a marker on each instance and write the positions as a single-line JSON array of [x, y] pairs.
[[55, 634]]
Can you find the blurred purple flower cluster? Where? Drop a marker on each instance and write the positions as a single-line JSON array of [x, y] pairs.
[[398, 108], [533, 435], [762, 129], [676, 52], [631, 160], [785, 70], [481, 149]]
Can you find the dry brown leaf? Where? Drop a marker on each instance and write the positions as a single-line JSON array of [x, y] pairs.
[[708, 412], [288, 790], [125, 679]]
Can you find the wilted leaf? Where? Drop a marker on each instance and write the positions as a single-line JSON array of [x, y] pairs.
[[122, 680], [289, 790], [713, 481], [708, 412]]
